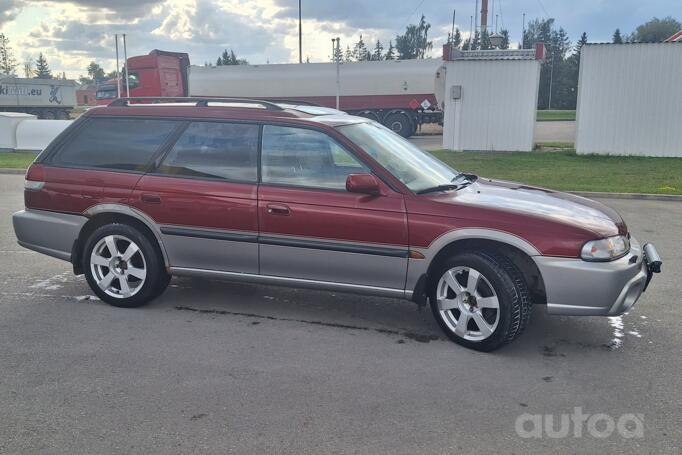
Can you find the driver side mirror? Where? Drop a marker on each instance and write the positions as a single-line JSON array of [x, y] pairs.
[[363, 184]]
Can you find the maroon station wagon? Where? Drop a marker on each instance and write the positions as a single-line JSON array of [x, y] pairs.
[[249, 190]]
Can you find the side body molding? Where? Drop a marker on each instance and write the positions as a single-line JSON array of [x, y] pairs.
[[132, 212], [418, 267]]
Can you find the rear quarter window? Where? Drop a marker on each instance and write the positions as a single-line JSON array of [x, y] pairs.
[[122, 144], [225, 151]]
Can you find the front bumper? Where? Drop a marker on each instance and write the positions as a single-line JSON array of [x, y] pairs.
[[49, 233], [580, 288]]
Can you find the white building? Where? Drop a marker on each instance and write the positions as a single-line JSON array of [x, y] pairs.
[[490, 99], [630, 99]]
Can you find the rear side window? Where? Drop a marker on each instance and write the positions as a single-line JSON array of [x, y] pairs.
[[226, 151], [126, 144]]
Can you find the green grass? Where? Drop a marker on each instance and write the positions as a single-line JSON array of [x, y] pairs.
[[564, 170], [545, 116], [16, 160]]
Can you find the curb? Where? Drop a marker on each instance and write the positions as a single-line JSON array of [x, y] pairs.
[[634, 196], [6, 170]]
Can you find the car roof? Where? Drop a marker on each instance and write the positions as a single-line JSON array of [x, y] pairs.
[[223, 109]]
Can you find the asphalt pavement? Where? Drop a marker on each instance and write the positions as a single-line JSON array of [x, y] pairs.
[[213, 367]]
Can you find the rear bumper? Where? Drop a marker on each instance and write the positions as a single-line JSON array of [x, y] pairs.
[[580, 288], [46, 232]]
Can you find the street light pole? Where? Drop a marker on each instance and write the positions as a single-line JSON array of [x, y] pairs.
[[125, 62], [300, 34], [337, 57], [118, 76]]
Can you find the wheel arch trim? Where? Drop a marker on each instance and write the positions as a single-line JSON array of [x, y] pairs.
[[122, 209], [419, 267]]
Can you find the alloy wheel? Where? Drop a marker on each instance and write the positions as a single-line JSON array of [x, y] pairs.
[[468, 303], [118, 266]]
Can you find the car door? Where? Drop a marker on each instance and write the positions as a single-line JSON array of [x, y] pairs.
[[203, 196], [312, 228]]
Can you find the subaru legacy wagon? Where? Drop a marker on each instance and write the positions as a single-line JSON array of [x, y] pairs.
[[250, 190]]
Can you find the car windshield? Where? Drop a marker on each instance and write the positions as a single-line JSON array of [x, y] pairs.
[[418, 170]]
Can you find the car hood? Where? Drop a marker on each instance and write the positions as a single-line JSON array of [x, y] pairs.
[[553, 206]]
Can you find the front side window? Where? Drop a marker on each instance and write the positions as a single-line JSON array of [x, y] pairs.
[[417, 169], [303, 157], [113, 143], [226, 151]]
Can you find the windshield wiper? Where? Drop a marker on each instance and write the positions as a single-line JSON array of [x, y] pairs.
[[434, 189]]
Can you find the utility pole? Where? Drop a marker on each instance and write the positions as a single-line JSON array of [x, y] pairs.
[[125, 60], [118, 76], [551, 76], [523, 32], [452, 33], [471, 33], [337, 56], [300, 34]]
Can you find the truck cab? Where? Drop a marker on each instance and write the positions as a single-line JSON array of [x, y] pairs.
[[159, 73]]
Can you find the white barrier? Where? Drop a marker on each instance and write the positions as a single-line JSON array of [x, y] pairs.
[[35, 135], [8, 127]]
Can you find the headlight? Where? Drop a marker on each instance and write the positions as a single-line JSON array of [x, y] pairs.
[[606, 249]]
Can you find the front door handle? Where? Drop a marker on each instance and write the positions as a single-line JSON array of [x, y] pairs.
[[279, 209], [151, 198]]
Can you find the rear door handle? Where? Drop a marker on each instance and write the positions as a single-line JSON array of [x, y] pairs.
[[150, 198], [278, 209]]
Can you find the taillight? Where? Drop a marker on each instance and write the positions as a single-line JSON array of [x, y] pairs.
[[35, 178]]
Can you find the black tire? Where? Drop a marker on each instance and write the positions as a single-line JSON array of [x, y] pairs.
[[148, 257], [508, 285], [62, 115], [49, 115], [400, 123]]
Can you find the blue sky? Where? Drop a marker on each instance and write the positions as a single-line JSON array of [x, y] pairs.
[[72, 33]]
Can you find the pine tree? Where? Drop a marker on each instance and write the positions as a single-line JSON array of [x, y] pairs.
[[378, 53], [455, 40], [617, 37], [390, 53], [360, 51], [348, 57], [7, 61], [338, 53], [42, 70], [505, 39]]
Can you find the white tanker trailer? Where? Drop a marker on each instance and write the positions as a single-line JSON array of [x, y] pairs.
[[45, 98], [398, 93]]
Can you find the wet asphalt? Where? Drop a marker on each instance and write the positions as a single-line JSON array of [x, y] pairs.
[[214, 367]]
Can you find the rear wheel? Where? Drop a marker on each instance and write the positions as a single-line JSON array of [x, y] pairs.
[[400, 123], [480, 300], [49, 115], [123, 267]]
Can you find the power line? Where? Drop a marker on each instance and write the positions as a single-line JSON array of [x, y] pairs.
[[543, 9], [412, 13]]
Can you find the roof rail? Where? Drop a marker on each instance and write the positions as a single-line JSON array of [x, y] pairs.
[[292, 101], [199, 101]]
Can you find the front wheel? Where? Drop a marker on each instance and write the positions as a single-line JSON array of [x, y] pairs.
[[123, 267], [480, 300]]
